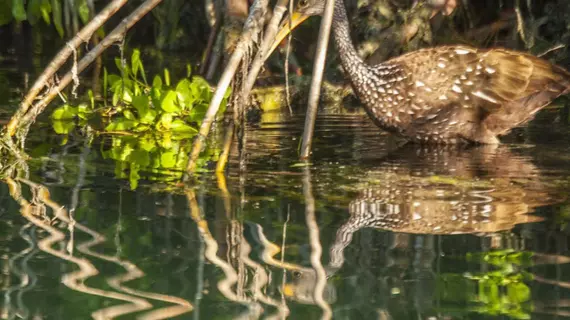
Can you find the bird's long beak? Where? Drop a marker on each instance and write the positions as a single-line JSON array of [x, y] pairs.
[[284, 29]]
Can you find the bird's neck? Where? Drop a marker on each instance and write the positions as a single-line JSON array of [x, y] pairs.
[[351, 61]]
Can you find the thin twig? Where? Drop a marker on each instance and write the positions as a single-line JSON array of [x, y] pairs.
[[287, 54], [83, 36], [252, 27], [114, 36], [318, 69]]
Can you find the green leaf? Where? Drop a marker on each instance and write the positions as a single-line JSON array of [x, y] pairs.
[[184, 93], [113, 80], [62, 127], [120, 124], [129, 115], [201, 89], [19, 10], [180, 126], [34, 11], [5, 12], [141, 104], [167, 77], [134, 176], [188, 70], [83, 111], [148, 117], [45, 8], [147, 143], [57, 16], [140, 157], [168, 102], [168, 159], [83, 10], [157, 82], [518, 292], [64, 112], [165, 121], [198, 112], [122, 68], [135, 62]]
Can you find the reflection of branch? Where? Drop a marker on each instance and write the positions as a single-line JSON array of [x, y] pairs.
[[231, 278], [260, 280], [316, 248], [75, 280], [27, 277]]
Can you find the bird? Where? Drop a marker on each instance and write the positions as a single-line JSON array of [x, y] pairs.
[[451, 94]]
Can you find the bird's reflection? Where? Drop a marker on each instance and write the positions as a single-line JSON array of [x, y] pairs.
[[419, 194]]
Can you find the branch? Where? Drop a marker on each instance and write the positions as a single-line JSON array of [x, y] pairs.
[[115, 36], [253, 26], [314, 94], [83, 36]]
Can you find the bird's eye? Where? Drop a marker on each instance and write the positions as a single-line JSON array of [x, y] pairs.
[[302, 3]]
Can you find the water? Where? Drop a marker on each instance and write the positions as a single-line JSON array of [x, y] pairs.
[[371, 229]]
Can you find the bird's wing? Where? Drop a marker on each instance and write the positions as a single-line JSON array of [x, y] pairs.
[[488, 79]]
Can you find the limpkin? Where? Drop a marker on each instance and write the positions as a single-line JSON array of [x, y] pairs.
[[447, 94]]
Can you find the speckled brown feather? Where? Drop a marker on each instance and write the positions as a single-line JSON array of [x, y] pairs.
[[457, 93], [449, 94]]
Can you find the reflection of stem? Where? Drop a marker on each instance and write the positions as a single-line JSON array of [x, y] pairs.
[[27, 277], [228, 139], [76, 280], [199, 279], [260, 280], [231, 278], [316, 248]]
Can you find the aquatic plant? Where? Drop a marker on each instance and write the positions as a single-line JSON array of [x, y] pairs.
[[149, 123], [500, 291]]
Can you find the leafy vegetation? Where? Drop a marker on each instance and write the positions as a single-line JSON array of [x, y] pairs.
[[150, 124], [35, 11], [502, 291]]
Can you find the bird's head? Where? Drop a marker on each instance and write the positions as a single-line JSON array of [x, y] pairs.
[[303, 10]]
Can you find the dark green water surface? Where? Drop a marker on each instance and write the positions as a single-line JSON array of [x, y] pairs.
[[369, 230]]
